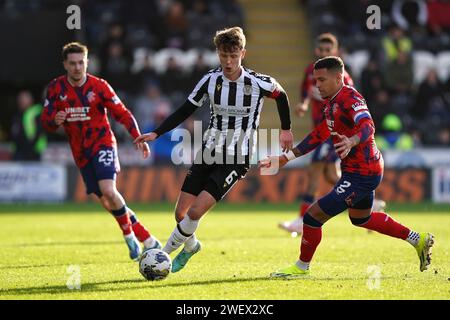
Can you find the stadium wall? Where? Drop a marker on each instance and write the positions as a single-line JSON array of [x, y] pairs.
[[156, 184]]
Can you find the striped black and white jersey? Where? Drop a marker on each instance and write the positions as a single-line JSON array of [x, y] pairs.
[[235, 108]]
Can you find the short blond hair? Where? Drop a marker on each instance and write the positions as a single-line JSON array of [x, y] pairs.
[[230, 39], [73, 47]]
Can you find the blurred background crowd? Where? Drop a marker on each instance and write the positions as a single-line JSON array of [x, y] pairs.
[[154, 52]]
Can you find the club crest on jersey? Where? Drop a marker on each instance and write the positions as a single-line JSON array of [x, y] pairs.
[[91, 96], [247, 89]]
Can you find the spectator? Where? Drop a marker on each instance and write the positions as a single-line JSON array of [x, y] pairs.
[[371, 80], [173, 82], [444, 137], [145, 74], [175, 27], [429, 90], [398, 74], [198, 70], [394, 43], [380, 107], [29, 139], [200, 22], [116, 67], [438, 15], [392, 136], [147, 104]]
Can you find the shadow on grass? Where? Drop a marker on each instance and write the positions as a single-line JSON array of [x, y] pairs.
[[133, 284]]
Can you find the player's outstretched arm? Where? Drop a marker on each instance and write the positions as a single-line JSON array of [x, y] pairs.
[[173, 121], [309, 143], [286, 136]]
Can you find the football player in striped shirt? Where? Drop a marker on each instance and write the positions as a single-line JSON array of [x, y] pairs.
[[236, 97]]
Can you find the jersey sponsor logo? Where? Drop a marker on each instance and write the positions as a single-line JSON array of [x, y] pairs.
[[359, 106], [232, 110], [218, 87], [77, 114]]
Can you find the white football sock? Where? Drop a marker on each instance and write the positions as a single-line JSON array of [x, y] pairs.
[[175, 240], [184, 230], [149, 242], [302, 265], [188, 226], [413, 238], [190, 243]]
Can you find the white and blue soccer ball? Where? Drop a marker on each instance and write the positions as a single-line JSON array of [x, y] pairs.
[[155, 264]]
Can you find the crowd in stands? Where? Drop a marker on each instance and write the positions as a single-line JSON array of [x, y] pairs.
[[402, 68], [154, 52], [151, 52]]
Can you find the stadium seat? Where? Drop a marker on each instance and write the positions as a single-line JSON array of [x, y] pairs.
[[162, 56], [140, 55], [423, 61], [357, 60], [189, 58], [211, 58], [443, 61]]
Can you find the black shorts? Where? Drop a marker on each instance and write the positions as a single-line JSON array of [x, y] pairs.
[[216, 179]]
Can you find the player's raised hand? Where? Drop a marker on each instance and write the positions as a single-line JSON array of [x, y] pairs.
[[60, 117], [344, 146], [286, 140]]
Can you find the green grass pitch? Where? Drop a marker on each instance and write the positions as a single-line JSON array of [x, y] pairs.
[[241, 246]]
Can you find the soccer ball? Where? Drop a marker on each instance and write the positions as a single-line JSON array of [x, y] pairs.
[[155, 264]]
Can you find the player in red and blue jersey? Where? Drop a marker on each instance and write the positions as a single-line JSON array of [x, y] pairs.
[[348, 122], [80, 103], [324, 158]]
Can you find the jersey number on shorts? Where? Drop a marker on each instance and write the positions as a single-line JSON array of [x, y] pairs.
[[343, 186], [106, 156], [229, 179]]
